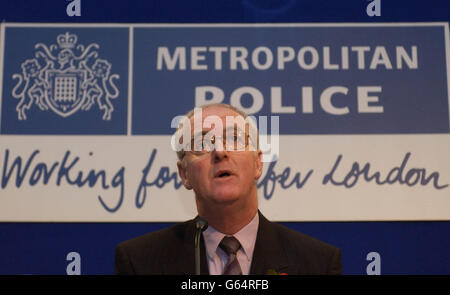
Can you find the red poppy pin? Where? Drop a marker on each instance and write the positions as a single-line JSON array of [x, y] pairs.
[[276, 273]]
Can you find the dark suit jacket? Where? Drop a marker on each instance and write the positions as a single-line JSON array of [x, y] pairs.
[[278, 248]]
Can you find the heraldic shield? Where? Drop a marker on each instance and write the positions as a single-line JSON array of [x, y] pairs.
[[65, 78], [66, 93]]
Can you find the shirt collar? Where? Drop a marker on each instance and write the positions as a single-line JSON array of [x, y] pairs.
[[246, 236]]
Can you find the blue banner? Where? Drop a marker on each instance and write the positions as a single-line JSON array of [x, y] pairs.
[[319, 80]]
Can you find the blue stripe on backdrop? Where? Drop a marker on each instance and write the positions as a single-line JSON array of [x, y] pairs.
[[195, 11], [403, 247]]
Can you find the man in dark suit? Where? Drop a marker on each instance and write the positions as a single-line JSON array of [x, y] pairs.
[[221, 163]]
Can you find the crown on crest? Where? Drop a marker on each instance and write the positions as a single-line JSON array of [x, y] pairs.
[[66, 40]]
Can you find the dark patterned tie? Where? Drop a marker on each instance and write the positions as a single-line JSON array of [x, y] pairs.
[[231, 245]]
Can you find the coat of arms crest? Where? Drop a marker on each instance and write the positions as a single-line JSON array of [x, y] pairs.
[[65, 78]]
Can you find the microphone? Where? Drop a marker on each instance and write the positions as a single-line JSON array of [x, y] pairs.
[[200, 226]]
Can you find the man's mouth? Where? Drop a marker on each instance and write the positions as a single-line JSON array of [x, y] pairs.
[[222, 174]]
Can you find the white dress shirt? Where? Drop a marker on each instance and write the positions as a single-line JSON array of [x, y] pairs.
[[217, 258]]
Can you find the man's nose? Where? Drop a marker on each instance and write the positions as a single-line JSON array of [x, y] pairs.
[[219, 155]]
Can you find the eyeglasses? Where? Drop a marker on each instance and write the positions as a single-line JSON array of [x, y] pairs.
[[204, 143]]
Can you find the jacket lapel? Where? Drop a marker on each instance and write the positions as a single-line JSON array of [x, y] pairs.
[[183, 261], [268, 255]]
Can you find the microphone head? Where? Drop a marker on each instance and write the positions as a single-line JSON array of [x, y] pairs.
[[201, 224]]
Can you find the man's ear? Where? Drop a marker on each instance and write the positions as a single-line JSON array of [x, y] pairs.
[[183, 174], [258, 164]]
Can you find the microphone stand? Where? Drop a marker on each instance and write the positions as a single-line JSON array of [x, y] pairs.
[[200, 226]]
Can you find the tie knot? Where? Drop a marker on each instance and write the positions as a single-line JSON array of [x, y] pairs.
[[230, 245]]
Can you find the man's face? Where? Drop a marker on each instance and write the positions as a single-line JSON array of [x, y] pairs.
[[221, 176]]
